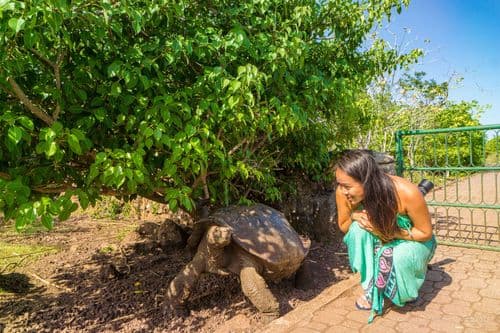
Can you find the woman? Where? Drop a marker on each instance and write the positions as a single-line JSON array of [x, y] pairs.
[[388, 230]]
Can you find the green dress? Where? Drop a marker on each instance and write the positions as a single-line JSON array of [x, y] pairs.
[[395, 270]]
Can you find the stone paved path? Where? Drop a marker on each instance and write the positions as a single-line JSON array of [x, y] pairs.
[[461, 294]]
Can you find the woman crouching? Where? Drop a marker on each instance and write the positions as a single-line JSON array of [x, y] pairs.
[[388, 230]]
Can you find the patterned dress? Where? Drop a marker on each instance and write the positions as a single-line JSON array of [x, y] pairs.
[[395, 270]]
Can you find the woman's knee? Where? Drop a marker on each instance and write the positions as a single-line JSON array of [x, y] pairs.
[[356, 231]]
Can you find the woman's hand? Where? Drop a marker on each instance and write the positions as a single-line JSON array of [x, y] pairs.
[[363, 220]]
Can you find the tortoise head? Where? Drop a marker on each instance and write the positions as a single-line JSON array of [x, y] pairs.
[[219, 236]]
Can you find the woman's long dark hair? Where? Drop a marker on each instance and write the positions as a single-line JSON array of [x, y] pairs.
[[380, 200]]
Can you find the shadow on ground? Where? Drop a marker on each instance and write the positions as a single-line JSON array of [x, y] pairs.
[[436, 280], [89, 294]]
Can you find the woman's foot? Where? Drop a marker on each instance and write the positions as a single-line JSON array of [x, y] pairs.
[[362, 303]]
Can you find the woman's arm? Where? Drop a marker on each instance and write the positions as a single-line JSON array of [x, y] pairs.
[[413, 203], [344, 211], [346, 214]]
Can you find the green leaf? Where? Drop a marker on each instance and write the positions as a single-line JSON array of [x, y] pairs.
[[137, 158], [74, 144], [148, 132], [26, 122], [100, 157], [15, 134], [47, 221], [139, 176], [16, 24], [93, 173], [82, 94], [21, 222], [137, 21], [57, 127], [47, 134], [173, 205], [186, 203], [132, 185], [51, 149], [114, 68], [116, 89], [100, 114]]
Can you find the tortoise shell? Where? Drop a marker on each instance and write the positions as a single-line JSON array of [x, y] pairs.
[[265, 233]]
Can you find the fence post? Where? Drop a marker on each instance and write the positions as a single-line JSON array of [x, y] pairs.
[[399, 153]]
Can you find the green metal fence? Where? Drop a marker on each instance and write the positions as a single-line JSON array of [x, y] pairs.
[[464, 165]]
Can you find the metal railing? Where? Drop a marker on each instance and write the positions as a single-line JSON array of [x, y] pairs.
[[464, 165]]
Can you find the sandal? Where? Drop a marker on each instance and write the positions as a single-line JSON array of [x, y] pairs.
[[361, 306]]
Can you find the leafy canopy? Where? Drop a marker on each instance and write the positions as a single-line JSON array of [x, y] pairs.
[[174, 99]]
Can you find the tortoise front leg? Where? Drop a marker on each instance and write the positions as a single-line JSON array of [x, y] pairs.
[[255, 288], [180, 288], [207, 258]]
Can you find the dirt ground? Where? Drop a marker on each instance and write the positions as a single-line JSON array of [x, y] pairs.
[[106, 278]]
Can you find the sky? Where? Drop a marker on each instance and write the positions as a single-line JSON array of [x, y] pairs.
[[460, 38]]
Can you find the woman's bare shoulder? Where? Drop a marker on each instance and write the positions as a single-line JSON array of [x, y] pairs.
[[405, 189]]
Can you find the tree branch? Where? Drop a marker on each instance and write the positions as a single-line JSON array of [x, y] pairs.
[[5, 176], [37, 111], [235, 148], [53, 188], [57, 74], [154, 197], [42, 58], [56, 67]]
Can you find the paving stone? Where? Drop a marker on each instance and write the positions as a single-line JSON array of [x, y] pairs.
[[346, 304], [492, 292], [442, 297], [480, 323], [328, 316], [471, 295], [381, 325], [304, 330], [493, 283], [447, 286], [473, 282], [352, 324], [419, 321], [489, 255], [486, 262], [469, 258], [338, 329], [454, 318], [429, 311], [461, 294], [457, 277], [359, 316], [408, 327], [459, 308], [482, 272], [442, 325], [397, 315], [459, 267], [316, 326], [487, 305]]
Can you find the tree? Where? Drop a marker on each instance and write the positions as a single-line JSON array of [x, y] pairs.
[[417, 103], [175, 100]]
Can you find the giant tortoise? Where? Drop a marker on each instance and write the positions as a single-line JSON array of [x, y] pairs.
[[256, 242]]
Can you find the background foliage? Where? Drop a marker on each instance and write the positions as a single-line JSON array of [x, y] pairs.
[[414, 102], [174, 100]]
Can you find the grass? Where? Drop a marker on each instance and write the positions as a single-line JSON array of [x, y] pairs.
[[17, 255], [14, 256]]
